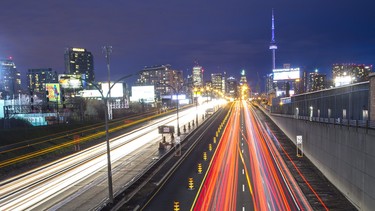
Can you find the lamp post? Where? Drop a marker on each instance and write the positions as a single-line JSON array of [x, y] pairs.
[[107, 50], [177, 92], [196, 105], [105, 98], [110, 186]]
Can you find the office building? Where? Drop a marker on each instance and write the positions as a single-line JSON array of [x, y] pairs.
[[232, 87], [269, 85], [37, 79], [79, 61], [317, 81], [10, 79], [165, 79], [217, 81], [243, 79], [198, 76], [344, 74]]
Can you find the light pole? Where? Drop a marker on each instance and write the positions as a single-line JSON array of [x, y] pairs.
[[105, 98], [110, 186], [107, 50], [196, 105], [177, 92]]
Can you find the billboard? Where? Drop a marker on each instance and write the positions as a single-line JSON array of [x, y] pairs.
[[116, 91], [145, 93], [342, 80], [90, 93], [53, 92], [174, 97], [69, 81], [165, 129], [286, 74], [283, 93]]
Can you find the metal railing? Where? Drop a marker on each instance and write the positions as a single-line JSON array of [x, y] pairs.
[[337, 121]]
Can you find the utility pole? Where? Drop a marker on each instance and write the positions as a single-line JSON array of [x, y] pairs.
[[108, 115], [107, 50]]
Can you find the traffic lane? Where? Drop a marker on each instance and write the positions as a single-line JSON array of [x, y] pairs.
[[245, 195], [221, 181], [177, 185], [274, 193], [74, 173]]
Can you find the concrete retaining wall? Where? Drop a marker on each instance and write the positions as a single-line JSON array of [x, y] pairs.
[[345, 155]]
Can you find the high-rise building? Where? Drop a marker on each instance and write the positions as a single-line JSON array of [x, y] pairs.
[[37, 79], [304, 82], [232, 87], [217, 81], [244, 86], [317, 81], [10, 79], [198, 76], [243, 79], [163, 77], [79, 61], [344, 74], [270, 86], [223, 83]]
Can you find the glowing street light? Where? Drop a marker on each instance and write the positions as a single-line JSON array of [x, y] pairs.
[[105, 97]]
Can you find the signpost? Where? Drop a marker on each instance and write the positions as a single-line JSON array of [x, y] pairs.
[[299, 146], [178, 146]]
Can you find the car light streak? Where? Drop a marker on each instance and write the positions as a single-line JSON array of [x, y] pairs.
[[30, 189], [271, 187], [297, 169]]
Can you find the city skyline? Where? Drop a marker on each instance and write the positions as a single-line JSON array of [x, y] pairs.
[[221, 37]]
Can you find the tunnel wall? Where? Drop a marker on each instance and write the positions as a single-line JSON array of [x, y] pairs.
[[345, 155]]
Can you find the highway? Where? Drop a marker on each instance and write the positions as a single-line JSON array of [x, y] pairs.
[[244, 171], [247, 173], [79, 181]]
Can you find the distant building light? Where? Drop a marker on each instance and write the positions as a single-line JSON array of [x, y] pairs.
[[343, 80], [78, 49]]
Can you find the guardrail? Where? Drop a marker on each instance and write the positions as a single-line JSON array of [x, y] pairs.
[[126, 193], [337, 121]]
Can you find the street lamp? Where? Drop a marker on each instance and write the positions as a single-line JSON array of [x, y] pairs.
[[177, 92], [106, 107], [196, 105], [107, 50], [110, 187]]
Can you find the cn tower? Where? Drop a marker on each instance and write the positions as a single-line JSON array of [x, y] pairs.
[[273, 45]]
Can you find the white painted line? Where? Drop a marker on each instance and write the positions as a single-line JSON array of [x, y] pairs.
[[243, 188], [243, 171], [243, 208]]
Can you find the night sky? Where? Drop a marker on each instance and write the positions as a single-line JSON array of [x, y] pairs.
[[220, 35]]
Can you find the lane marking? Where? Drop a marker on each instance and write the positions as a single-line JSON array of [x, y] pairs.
[[247, 175], [243, 188]]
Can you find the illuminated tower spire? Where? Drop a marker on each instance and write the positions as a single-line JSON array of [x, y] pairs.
[[273, 45]]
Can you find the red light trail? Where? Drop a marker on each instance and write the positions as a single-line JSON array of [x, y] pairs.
[[271, 184]]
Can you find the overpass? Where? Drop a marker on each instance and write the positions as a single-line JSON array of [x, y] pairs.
[[338, 135]]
